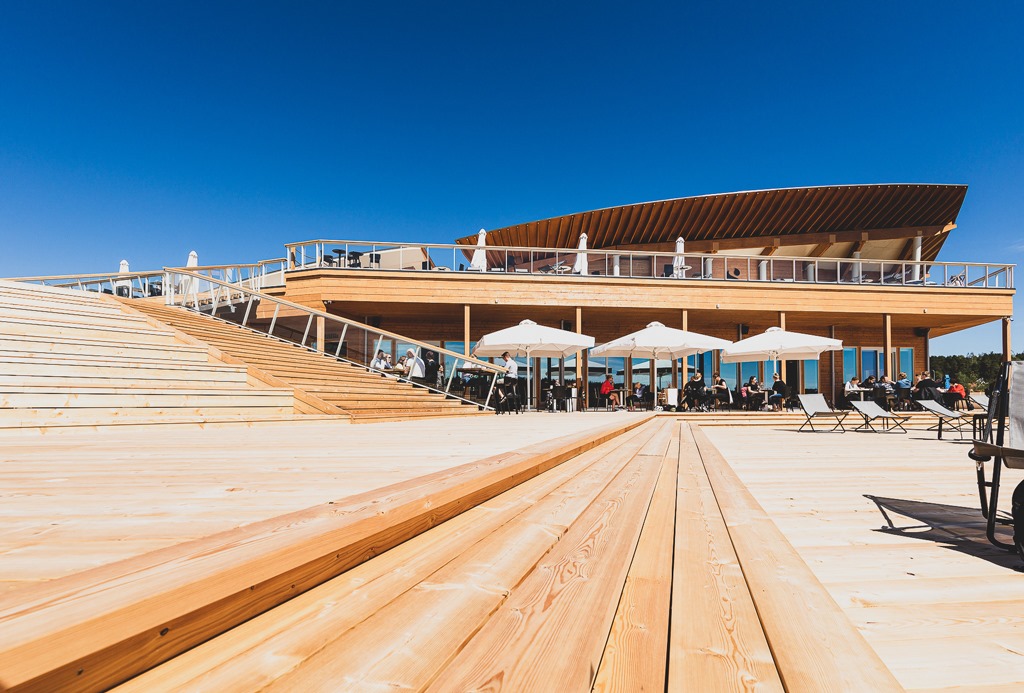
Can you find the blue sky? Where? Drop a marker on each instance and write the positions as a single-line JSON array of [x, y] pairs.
[[145, 130]]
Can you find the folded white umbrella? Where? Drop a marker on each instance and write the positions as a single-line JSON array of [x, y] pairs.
[[532, 341], [659, 342], [581, 265], [776, 343], [679, 263], [479, 261]]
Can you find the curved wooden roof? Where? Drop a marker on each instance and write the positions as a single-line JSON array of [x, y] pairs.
[[787, 216]]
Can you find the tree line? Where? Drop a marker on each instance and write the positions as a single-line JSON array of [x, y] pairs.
[[975, 371]]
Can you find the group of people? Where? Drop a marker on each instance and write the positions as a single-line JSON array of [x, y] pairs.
[[427, 370], [887, 393], [754, 395]]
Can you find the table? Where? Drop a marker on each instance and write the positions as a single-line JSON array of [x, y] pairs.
[[340, 252], [860, 391]]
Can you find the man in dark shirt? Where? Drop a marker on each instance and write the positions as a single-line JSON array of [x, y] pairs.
[[926, 388]]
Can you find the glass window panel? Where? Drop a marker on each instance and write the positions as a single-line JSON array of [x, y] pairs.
[[811, 376], [849, 363], [907, 361], [747, 369], [729, 372], [869, 363]]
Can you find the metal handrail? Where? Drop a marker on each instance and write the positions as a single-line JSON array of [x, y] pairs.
[[686, 265], [190, 291]]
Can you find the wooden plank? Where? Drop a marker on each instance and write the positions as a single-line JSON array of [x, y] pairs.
[[552, 630], [717, 642], [445, 609], [634, 656], [815, 646]]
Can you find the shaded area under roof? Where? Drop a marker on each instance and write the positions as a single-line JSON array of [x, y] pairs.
[[742, 219]]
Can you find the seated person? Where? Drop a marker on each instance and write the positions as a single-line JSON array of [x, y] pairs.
[[778, 396], [953, 394], [379, 362], [885, 393], [693, 392], [414, 365], [607, 390], [637, 398], [402, 364], [904, 381], [755, 395], [869, 382], [719, 388], [926, 388]]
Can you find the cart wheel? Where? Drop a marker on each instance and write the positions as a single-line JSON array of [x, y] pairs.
[[1018, 518]]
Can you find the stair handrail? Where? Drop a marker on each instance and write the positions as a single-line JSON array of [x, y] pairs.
[[184, 287]]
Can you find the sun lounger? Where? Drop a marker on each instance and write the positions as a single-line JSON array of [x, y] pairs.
[[953, 419], [872, 413], [815, 407], [979, 399]]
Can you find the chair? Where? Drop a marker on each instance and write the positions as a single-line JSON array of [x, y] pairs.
[[815, 407], [375, 260], [955, 420], [872, 412], [1003, 440], [671, 398]]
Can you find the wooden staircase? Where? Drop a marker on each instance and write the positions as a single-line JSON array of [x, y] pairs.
[[365, 395], [73, 358]]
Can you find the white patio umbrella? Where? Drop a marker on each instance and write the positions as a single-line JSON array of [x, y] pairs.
[[776, 343], [532, 341], [679, 263], [188, 285], [659, 342], [123, 283], [479, 261], [581, 266]]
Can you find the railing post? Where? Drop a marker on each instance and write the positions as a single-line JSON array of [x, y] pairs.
[[305, 335], [273, 320], [487, 401], [341, 340]]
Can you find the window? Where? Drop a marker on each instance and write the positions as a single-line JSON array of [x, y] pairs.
[[811, 376], [849, 363], [907, 362], [728, 372], [747, 369], [869, 362]]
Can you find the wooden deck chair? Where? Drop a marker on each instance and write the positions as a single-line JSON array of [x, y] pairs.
[[872, 413], [979, 399], [955, 420], [815, 407], [1004, 442]]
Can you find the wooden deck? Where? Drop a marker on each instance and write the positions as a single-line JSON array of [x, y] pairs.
[[567, 552]]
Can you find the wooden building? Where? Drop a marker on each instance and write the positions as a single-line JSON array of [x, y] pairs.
[[854, 262]]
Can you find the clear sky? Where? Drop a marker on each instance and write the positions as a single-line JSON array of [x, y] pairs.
[[143, 130]]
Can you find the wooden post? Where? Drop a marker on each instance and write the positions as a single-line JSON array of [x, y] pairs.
[[1007, 351], [321, 332], [582, 367], [685, 319], [675, 373], [887, 345], [465, 329], [782, 319]]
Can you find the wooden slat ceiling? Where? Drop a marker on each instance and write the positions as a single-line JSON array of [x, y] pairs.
[[749, 219]]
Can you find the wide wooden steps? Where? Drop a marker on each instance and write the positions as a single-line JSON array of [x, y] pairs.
[[627, 558], [70, 358], [365, 395]]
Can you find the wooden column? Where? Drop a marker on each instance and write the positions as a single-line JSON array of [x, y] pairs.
[[1007, 351], [582, 363], [675, 373], [321, 332], [782, 319], [685, 319], [465, 329], [887, 344]]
